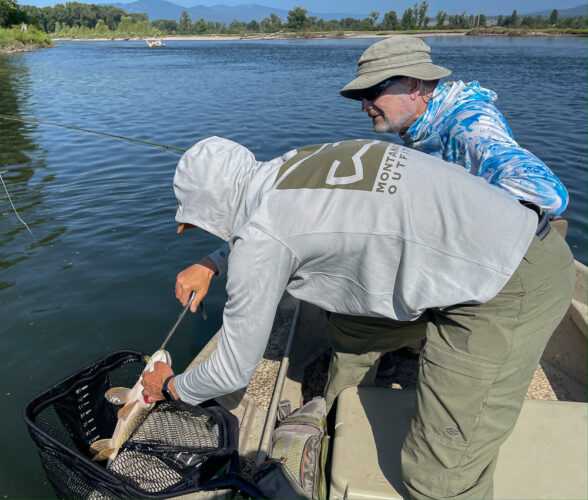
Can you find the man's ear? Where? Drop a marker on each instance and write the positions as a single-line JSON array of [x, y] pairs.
[[414, 86]]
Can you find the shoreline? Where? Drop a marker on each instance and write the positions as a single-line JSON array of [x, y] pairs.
[[216, 38], [288, 36], [15, 49], [229, 38]]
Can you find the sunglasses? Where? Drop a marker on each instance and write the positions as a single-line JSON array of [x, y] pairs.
[[373, 92]]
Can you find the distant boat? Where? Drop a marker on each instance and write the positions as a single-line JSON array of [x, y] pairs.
[[155, 43]]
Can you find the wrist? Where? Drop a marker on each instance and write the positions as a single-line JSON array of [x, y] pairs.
[[209, 264], [169, 390], [172, 388]]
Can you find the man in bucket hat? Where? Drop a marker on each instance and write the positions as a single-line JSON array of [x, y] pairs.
[[398, 86]]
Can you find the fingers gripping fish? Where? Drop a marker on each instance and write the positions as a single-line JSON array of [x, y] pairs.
[[130, 416]]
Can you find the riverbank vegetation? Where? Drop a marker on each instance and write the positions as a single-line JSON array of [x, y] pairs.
[[16, 39], [80, 20], [15, 34]]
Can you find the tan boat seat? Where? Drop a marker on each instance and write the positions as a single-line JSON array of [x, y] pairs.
[[545, 456]]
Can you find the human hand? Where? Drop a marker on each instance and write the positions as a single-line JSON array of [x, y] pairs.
[[195, 278], [153, 382]]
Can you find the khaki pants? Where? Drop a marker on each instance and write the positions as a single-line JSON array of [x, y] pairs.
[[474, 371]]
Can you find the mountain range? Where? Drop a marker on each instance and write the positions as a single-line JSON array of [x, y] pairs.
[[580, 10], [162, 9]]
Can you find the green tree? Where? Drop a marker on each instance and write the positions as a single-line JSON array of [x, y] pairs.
[[349, 24], [138, 16], [200, 26], [553, 17], [390, 21], [253, 25], [441, 18], [125, 27], [265, 25], [237, 26], [9, 12], [167, 25], [275, 22], [271, 24], [297, 18], [374, 15], [423, 19], [459, 21], [333, 25], [101, 28], [407, 21], [500, 21], [366, 24], [185, 25]]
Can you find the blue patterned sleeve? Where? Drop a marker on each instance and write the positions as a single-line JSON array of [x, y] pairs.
[[480, 139]]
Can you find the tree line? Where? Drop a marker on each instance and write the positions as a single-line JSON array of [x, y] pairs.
[[81, 19], [553, 21]]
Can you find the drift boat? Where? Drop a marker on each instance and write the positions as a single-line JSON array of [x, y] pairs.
[[154, 43], [545, 456]]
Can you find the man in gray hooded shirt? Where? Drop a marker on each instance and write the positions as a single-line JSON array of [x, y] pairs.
[[373, 229]]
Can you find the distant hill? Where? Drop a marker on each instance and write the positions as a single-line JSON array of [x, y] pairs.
[[580, 10], [160, 9]]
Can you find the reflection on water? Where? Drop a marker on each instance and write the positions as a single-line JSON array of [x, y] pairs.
[[100, 275], [20, 159]]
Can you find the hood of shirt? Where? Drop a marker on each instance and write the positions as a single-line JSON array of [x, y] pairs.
[[216, 185], [445, 100], [211, 183]]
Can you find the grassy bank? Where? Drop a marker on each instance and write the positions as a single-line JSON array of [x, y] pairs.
[[15, 40], [529, 31]]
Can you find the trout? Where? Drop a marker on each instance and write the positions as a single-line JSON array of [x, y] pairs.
[[130, 416]]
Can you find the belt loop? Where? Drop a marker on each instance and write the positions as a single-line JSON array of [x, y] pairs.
[[543, 226]]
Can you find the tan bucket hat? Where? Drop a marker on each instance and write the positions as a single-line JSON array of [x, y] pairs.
[[395, 56]]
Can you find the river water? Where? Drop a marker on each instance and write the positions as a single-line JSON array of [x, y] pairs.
[[98, 273]]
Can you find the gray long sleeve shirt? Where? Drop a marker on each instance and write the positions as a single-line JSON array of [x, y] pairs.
[[358, 227]]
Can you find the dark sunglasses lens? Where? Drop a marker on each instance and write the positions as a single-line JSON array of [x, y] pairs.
[[370, 94], [373, 92]]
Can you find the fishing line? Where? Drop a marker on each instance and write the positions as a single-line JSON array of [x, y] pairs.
[[14, 208], [122, 137], [71, 127]]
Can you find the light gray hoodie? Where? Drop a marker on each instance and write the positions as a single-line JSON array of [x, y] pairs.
[[358, 227]]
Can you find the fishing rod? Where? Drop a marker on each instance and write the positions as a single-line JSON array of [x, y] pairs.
[[80, 129], [71, 127]]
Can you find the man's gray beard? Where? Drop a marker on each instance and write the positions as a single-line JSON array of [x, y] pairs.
[[387, 127]]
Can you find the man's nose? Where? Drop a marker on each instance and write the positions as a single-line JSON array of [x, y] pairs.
[[366, 104]]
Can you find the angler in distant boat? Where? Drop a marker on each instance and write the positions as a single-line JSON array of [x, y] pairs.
[[155, 43], [383, 234]]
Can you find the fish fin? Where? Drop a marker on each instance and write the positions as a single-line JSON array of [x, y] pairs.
[[126, 409], [98, 446], [104, 454], [117, 395]]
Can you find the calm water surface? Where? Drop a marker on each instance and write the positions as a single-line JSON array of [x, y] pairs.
[[100, 273]]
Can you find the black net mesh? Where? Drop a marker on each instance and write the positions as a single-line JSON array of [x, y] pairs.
[[177, 449]]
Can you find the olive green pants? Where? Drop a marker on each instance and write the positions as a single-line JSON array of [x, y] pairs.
[[474, 371]]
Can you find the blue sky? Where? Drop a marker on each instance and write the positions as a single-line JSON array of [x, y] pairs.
[[364, 7]]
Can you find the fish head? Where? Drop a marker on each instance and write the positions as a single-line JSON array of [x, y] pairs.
[[160, 355]]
